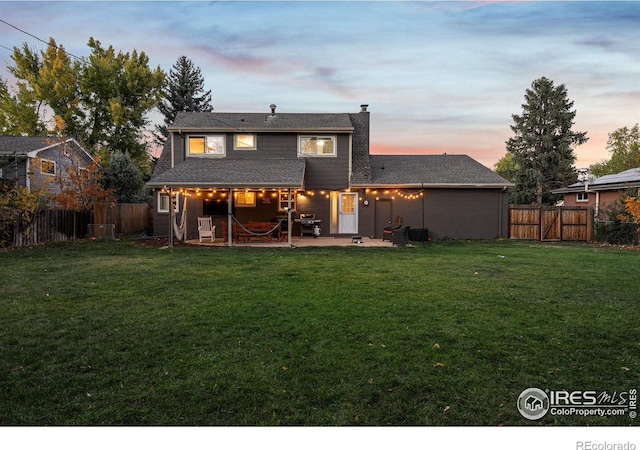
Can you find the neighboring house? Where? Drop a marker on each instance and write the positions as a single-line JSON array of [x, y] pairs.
[[600, 192], [256, 165], [36, 162]]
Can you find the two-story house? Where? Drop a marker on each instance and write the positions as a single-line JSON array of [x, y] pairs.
[[266, 166], [37, 163]]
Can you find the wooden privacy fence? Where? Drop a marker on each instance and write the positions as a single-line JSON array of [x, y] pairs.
[[127, 217], [551, 223], [52, 225]]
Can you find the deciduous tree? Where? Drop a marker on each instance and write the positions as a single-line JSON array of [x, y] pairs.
[[19, 113], [16, 204], [624, 147], [76, 186], [507, 168], [102, 101], [118, 90]]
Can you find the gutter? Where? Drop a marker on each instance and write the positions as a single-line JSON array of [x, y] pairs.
[[205, 185], [314, 130], [435, 186], [596, 188]]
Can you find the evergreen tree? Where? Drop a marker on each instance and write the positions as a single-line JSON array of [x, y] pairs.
[[543, 143], [124, 177], [183, 91]]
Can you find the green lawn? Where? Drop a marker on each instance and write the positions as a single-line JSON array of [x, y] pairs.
[[446, 334]]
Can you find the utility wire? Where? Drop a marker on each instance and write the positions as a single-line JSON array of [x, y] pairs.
[[35, 37]]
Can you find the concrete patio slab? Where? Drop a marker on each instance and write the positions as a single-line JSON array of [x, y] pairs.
[[299, 242]]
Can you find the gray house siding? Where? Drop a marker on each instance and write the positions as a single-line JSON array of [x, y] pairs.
[[466, 213], [320, 173], [65, 159], [331, 173], [446, 213], [17, 170], [25, 162]]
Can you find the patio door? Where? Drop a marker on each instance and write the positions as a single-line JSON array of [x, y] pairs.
[[348, 213]]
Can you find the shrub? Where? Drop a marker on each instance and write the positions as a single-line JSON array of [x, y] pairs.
[[16, 204], [620, 227]]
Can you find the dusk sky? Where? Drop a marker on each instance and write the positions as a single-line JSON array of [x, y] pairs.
[[439, 77]]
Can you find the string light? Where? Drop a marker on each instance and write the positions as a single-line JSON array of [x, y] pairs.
[[261, 193]]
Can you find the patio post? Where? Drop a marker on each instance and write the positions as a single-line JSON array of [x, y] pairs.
[[289, 224], [230, 219], [171, 213]]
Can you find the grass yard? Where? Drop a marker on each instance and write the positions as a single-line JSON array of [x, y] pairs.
[[447, 334]]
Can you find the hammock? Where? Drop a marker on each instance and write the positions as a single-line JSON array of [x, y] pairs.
[[179, 230], [266, 233]]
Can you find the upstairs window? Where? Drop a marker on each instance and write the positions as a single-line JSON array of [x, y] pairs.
[[244, 142], [212, 145], [47, 167], [317, 146]]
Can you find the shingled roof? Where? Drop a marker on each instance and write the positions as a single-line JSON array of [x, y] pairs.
[[22, 145], [367, 170], [431, 171], [622, 180], [226, 173], [247, 122]]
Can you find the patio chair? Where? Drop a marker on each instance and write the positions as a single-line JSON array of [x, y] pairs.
[[206, 229], [401, 236], [387, 232]]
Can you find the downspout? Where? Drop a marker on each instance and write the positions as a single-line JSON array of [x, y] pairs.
[[501, 212], [171, 214], [423, 200], [27, 178], [350, 158]]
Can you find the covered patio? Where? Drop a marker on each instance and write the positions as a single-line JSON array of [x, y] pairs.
[[244, 188]]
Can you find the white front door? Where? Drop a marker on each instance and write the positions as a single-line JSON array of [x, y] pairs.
[[348, 213]]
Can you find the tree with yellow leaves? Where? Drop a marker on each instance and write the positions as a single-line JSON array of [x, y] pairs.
[[17, 204], [632, 205], [103, 100]]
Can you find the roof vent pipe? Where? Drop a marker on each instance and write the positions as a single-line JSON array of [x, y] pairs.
[[273, 109]]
